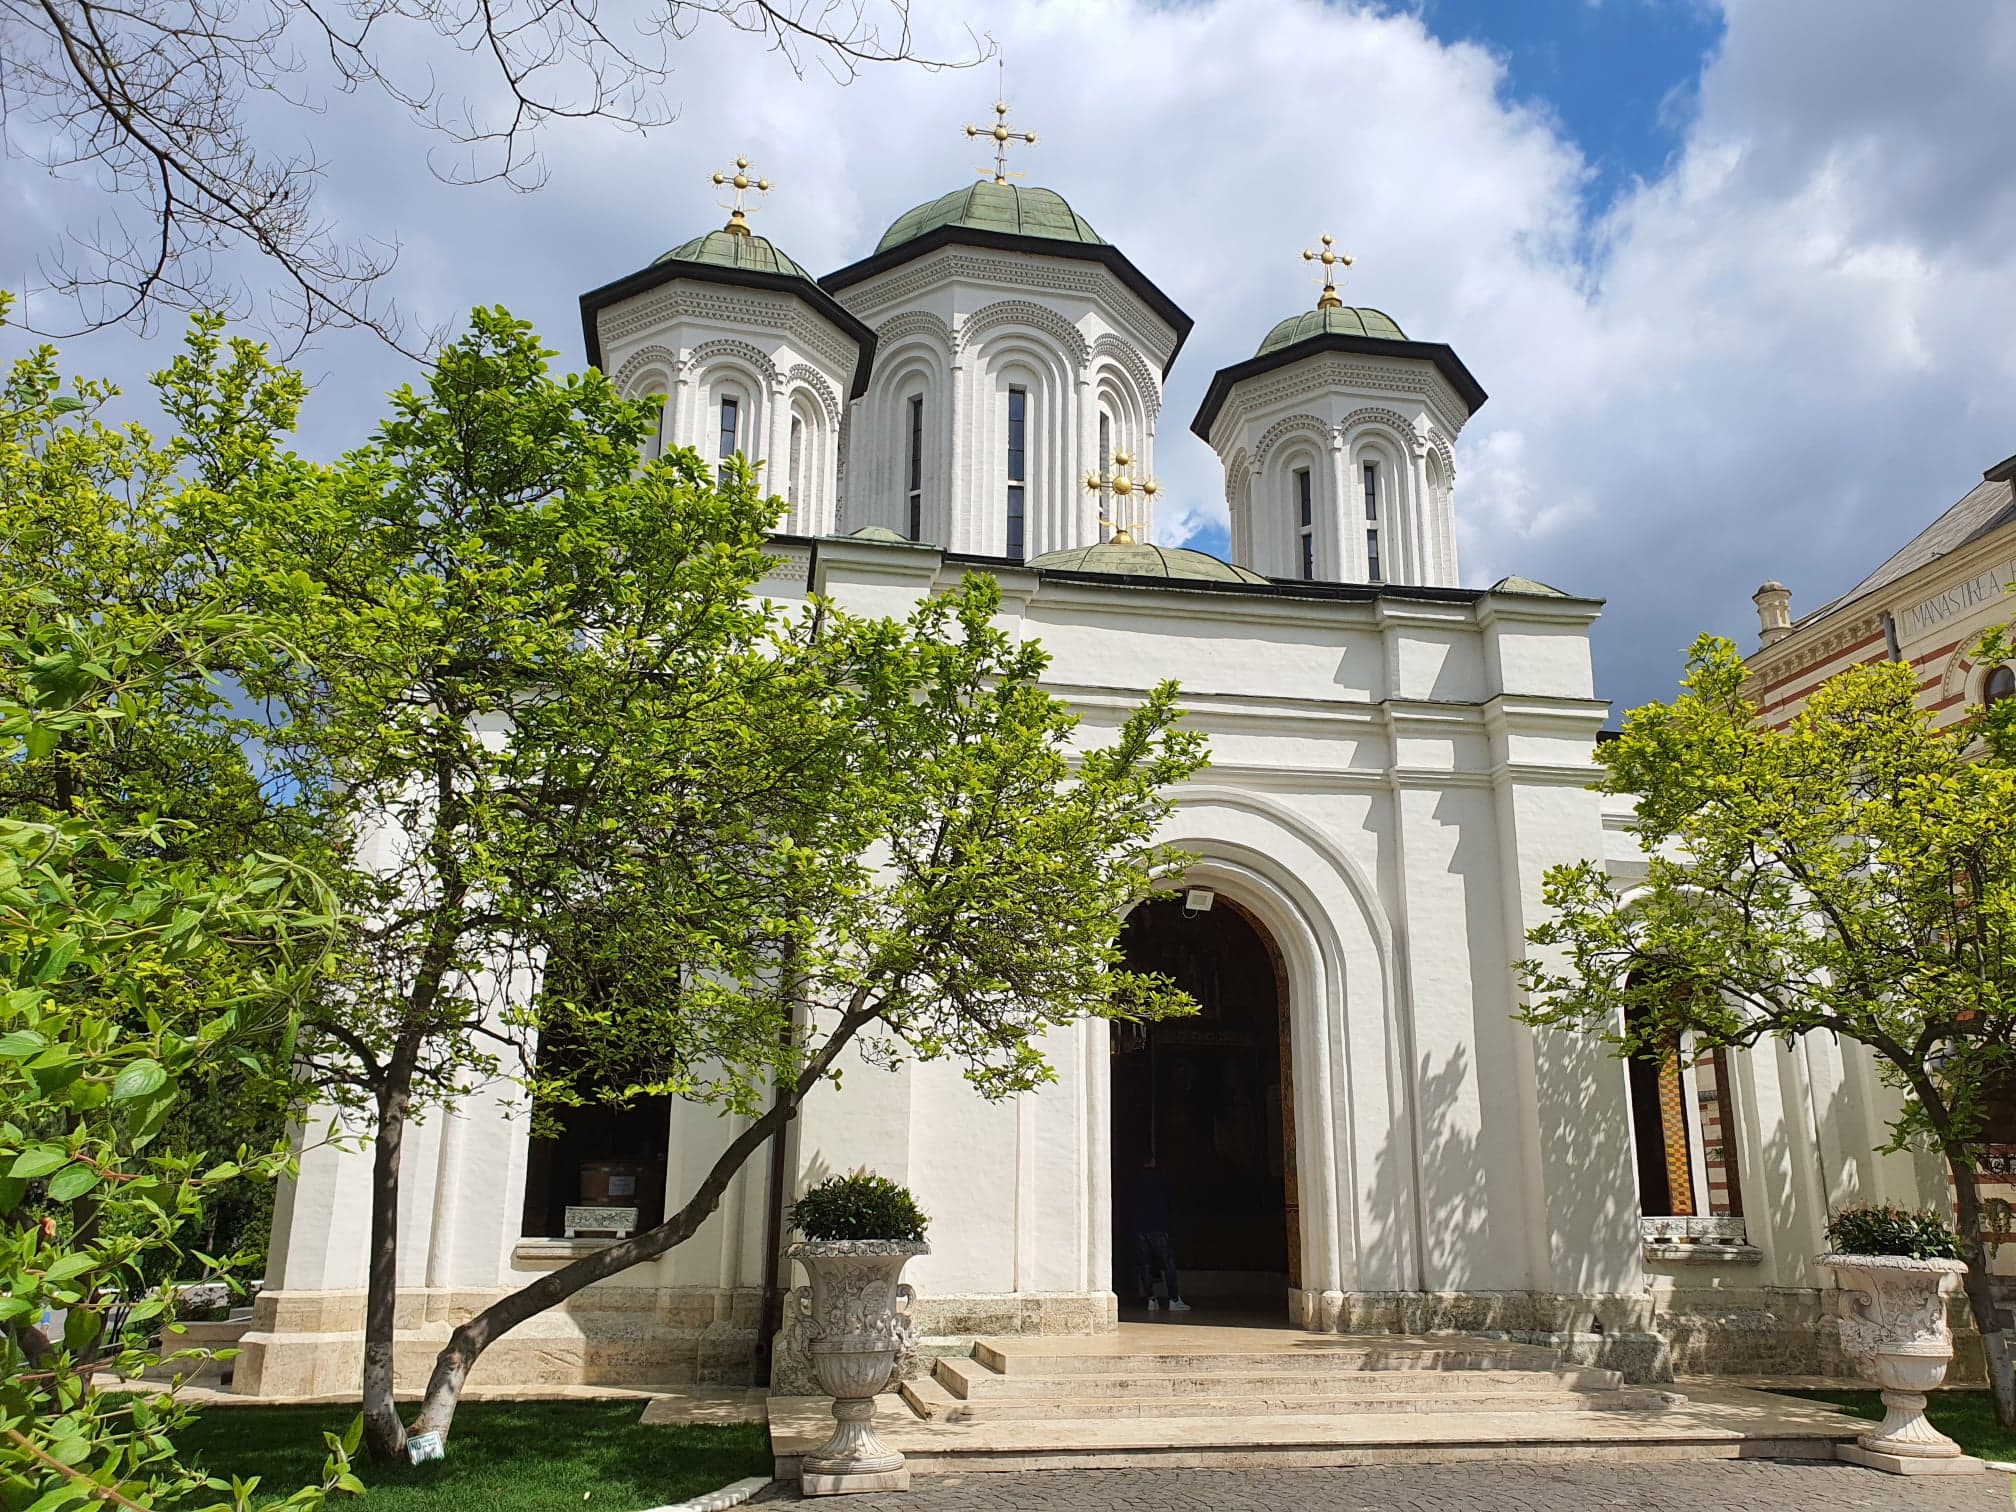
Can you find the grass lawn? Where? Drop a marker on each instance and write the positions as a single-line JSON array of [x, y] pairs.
[[1966, 1417], [502, 1457]]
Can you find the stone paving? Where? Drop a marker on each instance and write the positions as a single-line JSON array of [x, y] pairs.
[[1686, 1486]]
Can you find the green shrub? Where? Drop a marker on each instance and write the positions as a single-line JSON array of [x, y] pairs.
[[1879, 1229], [861, 1206]]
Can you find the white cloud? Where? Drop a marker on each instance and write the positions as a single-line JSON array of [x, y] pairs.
[[1778, 359]]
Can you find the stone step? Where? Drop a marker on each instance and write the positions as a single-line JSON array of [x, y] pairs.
[[1707, 1423], [942, 1406], [971, 1379], [1320, 1356]]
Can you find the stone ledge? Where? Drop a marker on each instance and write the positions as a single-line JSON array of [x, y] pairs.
[[1704, 1254], [530, 1253]]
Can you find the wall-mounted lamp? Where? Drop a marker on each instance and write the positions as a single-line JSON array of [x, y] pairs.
[[1198, 900]]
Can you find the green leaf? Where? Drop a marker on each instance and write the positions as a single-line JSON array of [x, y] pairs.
[[66, 1266], [21, 1044], [138, 1079], [39, 1161], [72, 1183]]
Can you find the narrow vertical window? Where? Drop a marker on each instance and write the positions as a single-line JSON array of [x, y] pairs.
[[731, 415], [1018, 472], [1305, 522], [914, 494], [794, 469], [1105, 461], [1372, 569]]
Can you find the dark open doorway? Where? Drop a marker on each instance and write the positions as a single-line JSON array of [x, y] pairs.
[[1210, 1097]]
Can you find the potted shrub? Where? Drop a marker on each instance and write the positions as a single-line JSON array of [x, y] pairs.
[[859, 1230], [1896, 1268]]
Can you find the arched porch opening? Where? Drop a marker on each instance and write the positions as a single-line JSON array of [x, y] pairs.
[[1203, 1126]]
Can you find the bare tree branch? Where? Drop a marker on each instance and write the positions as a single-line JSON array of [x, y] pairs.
[[149, 102]]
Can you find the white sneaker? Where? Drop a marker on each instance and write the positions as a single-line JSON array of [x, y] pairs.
[[1179, 1305], [1153, 1304]]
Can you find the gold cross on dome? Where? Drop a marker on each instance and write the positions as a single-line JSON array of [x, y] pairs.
[[1331, 260], [1002, 133], [1118, 485], [741, 183]]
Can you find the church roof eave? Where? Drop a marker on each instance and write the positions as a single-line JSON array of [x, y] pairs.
[[665, 271], [1109, 256], [1442, 356]]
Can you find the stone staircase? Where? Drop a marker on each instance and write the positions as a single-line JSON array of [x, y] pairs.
[[1184, 1395], [995, 1386]]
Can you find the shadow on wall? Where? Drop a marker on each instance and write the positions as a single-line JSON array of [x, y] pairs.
[[1454, 1192]]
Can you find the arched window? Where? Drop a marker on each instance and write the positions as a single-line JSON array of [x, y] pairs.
[[731, 426], [794, 476], [1018, 470], [1370, 474], [1684, 1130], [1105, 462], [1998, 685], [913, 475], [1305, 524]]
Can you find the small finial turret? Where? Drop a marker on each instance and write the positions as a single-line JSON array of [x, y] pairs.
[[742, 183], [1774, 612], [1331, 260], [1001, 133]]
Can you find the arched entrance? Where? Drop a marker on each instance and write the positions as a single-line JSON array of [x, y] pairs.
[[1210, 1098]]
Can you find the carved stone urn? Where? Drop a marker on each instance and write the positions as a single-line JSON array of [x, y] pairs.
[[860, 1326], [1894, 1329]]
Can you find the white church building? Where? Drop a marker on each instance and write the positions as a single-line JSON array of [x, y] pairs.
[[1359, 1135]]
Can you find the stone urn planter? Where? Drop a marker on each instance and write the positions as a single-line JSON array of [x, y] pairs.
[[859, 1326], [1894, 1328]]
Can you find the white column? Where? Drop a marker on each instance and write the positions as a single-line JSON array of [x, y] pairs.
[[678, 407], [1343, 556]]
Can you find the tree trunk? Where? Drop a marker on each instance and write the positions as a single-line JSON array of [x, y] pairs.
[[1979, 1284], [384, 1433], [467, 1343]]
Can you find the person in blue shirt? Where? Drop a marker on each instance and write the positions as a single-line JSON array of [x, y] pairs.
[[1150, 1207]]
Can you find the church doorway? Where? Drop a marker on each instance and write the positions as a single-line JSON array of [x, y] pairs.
[[1210, 1098]]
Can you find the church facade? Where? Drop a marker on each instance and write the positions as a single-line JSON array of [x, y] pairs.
[[1358, 1134]]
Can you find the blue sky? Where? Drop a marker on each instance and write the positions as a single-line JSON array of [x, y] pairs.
[[1619, 75], [1618, 80]]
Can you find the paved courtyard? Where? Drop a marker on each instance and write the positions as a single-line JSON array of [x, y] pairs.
[[1726, 1485]]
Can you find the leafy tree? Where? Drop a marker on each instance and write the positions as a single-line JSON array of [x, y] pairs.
[[598, 786], [109, 526], [542, 695], [127, 977], [1853, 873]]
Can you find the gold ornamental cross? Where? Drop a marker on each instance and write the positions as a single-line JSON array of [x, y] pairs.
[[1001, 133], [741, 183], [1332, 260], [1118, 486]]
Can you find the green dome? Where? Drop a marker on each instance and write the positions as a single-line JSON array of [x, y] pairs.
[[988, 206], [1339, 320], [736, 249], [1138, 559]]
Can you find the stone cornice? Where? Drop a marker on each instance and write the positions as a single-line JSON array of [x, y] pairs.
[[908, 284], [748, 309]]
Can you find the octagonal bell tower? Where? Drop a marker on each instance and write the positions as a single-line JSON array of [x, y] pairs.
[[1337, 438]]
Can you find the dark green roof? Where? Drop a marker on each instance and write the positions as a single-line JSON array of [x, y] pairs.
[[736, 249], [1139, 559], [988, 206], [1339, 320], [1527, 586]]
